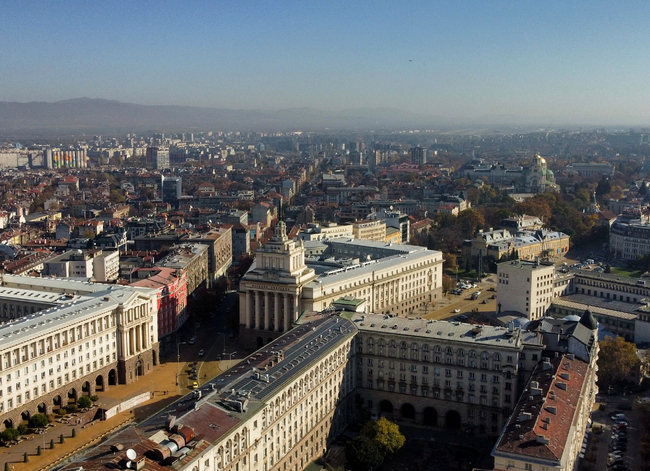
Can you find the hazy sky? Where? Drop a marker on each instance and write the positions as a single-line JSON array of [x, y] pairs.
[[577, 60]]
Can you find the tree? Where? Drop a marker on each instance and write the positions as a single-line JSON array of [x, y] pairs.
[[448, 283], [84, 402], [38, 421], [71, 408], [362, 454], [616, 360], [22, 429], [385, 434], [9, 434]]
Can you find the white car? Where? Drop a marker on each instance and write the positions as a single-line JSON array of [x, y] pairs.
[[456, 311]]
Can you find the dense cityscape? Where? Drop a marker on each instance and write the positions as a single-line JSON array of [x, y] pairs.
[[324, 236], [443, 281]]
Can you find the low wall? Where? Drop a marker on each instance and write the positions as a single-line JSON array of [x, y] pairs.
[[128, 404]]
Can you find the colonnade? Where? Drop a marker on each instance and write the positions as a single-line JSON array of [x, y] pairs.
[[134, 340], [272, 311]]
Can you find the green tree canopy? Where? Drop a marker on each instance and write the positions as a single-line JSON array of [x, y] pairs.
[[362, 454], [38, 421], [84, 401], [9, 434], [616, 360], [385, 434]]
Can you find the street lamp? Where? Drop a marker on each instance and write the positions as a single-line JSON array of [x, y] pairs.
[[230, 357], [178, 359]]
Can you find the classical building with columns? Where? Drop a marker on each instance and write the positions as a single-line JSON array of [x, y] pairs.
[[60, 339], [282, 283]]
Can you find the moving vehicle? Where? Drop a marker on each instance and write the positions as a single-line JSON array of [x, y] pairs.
[[192, 341], [455, 311], [475, 295], [195, 385], [201, 352]]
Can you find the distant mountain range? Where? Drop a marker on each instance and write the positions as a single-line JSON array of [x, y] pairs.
[[89, 115]]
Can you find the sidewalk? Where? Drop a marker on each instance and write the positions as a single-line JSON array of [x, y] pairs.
[[161, 382]]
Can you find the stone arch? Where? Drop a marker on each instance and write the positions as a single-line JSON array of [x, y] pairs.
[[430, 417], [85, 389], [99, 383], [25, 415], [139, 369], [72, 394], [408, 411], [453, 420], [56, 400], [386, 407], [9, 423], [112, 377], [42, 408]]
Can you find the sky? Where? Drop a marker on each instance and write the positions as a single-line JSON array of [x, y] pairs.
[[578, 61]]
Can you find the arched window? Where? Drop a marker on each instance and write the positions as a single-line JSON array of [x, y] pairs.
[[497, 357], [449, 351], [461, 352]]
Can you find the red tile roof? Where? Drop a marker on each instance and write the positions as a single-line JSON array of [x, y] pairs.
[[540, 424]]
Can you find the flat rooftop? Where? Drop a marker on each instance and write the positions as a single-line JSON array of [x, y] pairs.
[[458, 332]]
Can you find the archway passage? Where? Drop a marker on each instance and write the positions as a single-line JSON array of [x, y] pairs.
[[386, 407], [260, 342], [57, 400], [25, 415], [452, 420], [42, 408], [99, 383], [430, 417], [408, 412], [112, 378], [139, 369], [72, 395], [9, 423], [85, 388]]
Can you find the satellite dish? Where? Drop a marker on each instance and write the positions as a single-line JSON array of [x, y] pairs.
[[128, 465], [131, 454]]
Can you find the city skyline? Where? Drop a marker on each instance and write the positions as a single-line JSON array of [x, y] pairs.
[[574, 63]]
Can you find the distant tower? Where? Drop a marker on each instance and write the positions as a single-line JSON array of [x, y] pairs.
[[418, 155]]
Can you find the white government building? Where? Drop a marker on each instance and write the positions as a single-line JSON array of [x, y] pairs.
[[60, 339], [282, 283]]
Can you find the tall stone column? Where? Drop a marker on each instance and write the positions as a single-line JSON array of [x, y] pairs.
[[267, 312], [276, 304], [257, 308], [276, 317], [138, 344], [288, 312], [248, 309], [144, 336], [130, 341]]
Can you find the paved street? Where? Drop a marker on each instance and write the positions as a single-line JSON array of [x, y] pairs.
[[444, 308]]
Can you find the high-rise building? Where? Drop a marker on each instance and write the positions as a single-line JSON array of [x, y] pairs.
[[172, 188], [418, 155], [158, 157]]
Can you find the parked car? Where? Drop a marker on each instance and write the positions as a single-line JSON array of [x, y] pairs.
[[195, 385], [201, 352], [456, 311]]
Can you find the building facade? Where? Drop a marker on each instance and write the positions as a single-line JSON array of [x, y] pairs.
[[442, 374], [63, 338], [280, 285], [629, 240]]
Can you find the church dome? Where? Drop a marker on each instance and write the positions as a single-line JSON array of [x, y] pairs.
[[588, 320]]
